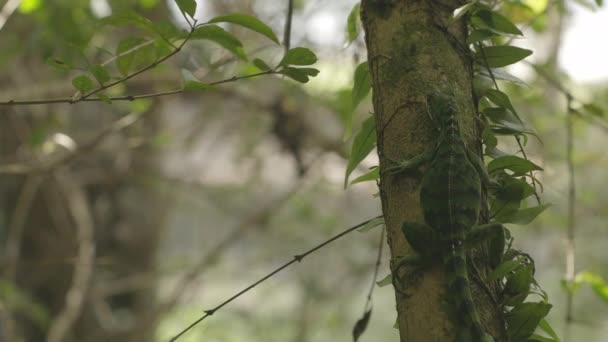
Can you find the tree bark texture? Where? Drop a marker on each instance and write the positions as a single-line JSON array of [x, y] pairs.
[[413, 50]]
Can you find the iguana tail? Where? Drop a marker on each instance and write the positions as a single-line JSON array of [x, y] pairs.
[[461, 299]]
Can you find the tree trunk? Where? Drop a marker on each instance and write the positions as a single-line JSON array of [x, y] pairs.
[[413, 50]]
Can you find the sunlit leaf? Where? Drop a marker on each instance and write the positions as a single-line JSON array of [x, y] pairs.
[[29, 6]]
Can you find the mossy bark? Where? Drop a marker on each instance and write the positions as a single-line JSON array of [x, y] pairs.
[[413, 50]]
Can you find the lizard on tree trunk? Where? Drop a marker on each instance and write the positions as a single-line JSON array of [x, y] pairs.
[[450, 196]]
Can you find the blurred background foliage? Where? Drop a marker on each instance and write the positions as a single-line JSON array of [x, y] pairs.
[[191, 197]]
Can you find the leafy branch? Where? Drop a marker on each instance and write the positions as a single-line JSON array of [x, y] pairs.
[[296, 258], [132, 51]]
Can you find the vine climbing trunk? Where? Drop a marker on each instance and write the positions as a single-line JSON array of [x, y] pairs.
[[415, 50]]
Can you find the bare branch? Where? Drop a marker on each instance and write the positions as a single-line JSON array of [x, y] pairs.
[[296, 258], [7, 10], [77, 205]]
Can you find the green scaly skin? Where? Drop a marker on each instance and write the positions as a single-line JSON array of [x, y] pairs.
[[450, 197]]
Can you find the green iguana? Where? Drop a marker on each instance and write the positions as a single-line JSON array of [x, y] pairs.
[[450, 196]]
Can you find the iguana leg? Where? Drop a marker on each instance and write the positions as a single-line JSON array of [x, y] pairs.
[[422, 238], [412, 163], [494, 233], [480, 168]]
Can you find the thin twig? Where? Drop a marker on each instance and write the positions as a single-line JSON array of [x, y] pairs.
[[288, 20], [557, 85], [368, 302], [17, 223], [129, 97], [570, 247], [77, 205], [296, 258]]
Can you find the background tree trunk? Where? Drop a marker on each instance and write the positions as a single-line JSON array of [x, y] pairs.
[[412, 51]]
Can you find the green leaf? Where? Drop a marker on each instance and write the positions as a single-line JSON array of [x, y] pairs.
[[100, 73], [595, 281], [500, 56], [57, 64], [353, 23], [547, 328], [134, 53], [82, 83], [362, 84], [538, 338], [514, 163], [222, 37], [388, 280], [480, 35], [123, 18], [519, 281], [501, 99], [361, 87], [28, 6], [524, 318], [513, 189], [187, 6], [249, 22], [298, 56], [363, 144], [593, 109], [260, 64], [38, 135], [167, 30], [378, 221], [525, 216], [299, 74], [500, 74], [501, 116], [103, 97], [505, 268], [372, 175], [192, 83], [494, 21]]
